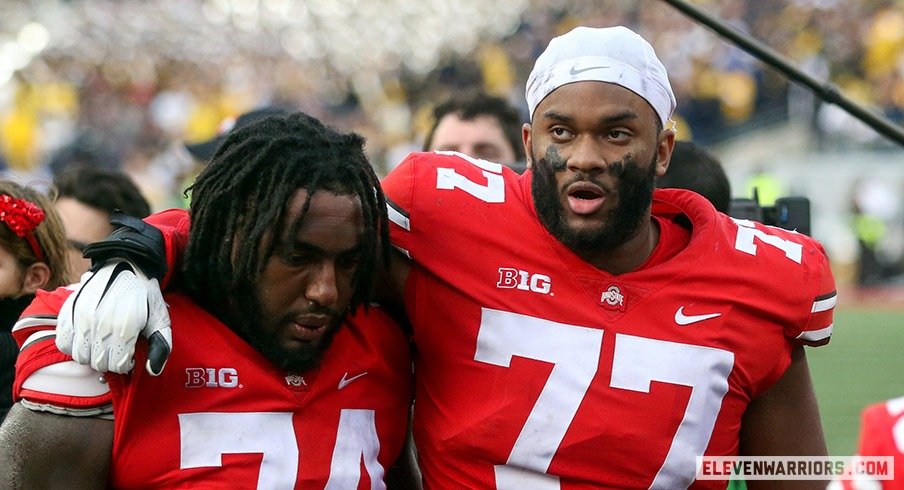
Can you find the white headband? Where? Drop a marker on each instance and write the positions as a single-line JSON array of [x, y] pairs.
[[613, 54]]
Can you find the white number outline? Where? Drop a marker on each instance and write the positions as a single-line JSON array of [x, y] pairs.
[[492, 192], [356, 440], [895, 407], [574, 352], [679, 364], [747, 231], [204, 438]]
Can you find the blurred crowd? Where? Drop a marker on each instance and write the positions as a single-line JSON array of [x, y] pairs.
[[62, 109]]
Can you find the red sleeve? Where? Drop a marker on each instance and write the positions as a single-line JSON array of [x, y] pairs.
[[818, 328], [399, 187], [436, 183], [797, 275], [40, 315], [174, 224], [63, 382]]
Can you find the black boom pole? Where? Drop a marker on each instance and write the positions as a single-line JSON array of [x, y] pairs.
[[824, 90]]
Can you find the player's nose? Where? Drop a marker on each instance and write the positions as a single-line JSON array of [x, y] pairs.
[[586, 157], [322, 287]]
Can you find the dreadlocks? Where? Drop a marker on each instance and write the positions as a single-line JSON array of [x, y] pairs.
[[241, 196]]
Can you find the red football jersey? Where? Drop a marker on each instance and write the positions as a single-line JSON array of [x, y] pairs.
[[537, 370], [882, 434], [221, 415]]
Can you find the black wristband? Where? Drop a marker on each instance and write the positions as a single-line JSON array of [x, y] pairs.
[[133, 240]]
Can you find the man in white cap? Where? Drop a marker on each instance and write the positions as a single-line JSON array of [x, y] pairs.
[[574, 327]]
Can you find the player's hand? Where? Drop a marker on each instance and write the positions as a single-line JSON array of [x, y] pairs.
[[100, 322]]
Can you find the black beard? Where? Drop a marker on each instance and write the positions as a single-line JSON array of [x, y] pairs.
[[635, 195], [251, 327], [292, 360]]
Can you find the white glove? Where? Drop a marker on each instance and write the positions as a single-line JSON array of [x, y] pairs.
[[100, 322]]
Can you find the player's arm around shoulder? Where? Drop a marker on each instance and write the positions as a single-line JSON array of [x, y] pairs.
[[45, 450], [40, 447], [47, 380]]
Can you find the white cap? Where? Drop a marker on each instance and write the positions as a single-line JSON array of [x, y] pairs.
[[612, 54]]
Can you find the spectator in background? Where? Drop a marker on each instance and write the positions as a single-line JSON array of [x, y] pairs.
[[479, 125], [694, 168], [202, 152], [764, 186], [89, 148], [32, 257], [874, 206], [87, 196]]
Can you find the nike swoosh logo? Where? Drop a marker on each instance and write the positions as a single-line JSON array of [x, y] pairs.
[[346, 380], [682, 319], [574, 71]]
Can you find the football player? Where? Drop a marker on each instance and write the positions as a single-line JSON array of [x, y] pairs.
[[270, 385], [578, 330], [574, 327], [881, 434]]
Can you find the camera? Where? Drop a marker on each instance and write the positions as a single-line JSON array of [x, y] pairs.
[[790, 213]]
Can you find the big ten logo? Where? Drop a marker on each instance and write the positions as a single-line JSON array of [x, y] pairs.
[[212, 378], [517, 279]]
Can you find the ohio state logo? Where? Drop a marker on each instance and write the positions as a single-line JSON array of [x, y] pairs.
[[613, 298]]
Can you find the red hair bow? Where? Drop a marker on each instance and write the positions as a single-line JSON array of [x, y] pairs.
[[22, 217]]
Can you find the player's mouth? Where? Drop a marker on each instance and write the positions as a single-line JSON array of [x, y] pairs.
[[308, 328], [585, 198]]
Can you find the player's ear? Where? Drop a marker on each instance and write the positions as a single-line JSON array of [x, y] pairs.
[[525, 140], [665, 145]]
